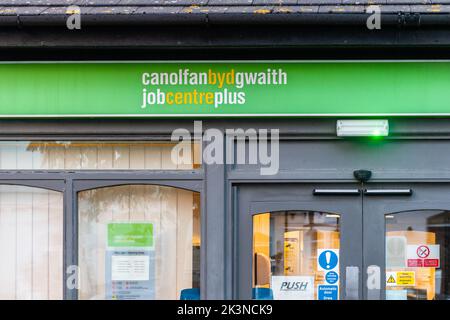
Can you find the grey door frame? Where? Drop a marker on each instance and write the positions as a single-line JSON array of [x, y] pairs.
[[425, 196], [248, 202]]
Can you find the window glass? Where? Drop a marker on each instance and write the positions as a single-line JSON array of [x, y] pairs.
[[96, 155], [139, 242], [417, 260], [293, 253], [31, 243]]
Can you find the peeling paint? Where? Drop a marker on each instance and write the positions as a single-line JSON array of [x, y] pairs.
[[234, 6], [284, 10], [190, 9], [306, 9], [435, 8], [72, 11], [262, 11], [8, 11]]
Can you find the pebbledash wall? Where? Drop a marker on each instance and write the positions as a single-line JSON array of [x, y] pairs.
[[87, 144]]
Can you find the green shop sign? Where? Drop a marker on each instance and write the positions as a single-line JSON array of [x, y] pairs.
[[130, 235], [219, 89]]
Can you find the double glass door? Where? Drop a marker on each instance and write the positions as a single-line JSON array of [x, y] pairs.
[[343, 241]]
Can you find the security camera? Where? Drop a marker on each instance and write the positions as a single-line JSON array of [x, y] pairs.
[[362, 175]]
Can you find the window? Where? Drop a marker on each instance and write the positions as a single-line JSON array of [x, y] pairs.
[[95, 155], [138, 242], [31, 243], [417, 260], [286, 245]]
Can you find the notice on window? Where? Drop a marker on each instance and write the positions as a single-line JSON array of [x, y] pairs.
[[126, 235], [400, 278], [130, 262], [130, 268], [328, 263], [293, 287], [423, 256]]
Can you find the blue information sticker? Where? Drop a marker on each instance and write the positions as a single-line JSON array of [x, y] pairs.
[[331, 277], [328, 260], [328, 292]]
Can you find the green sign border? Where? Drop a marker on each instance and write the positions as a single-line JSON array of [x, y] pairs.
[[323, 88]]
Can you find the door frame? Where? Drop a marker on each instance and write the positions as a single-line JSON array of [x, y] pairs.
[[247, 203], [423, 197]]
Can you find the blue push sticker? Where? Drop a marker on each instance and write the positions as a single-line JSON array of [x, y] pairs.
[[331, 277], [328, 292]]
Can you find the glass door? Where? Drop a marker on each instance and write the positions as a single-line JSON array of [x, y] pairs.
[[407, 234], [299, 242]]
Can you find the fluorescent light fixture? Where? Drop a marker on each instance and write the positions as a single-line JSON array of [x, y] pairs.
[[362, 128], [333, 216]]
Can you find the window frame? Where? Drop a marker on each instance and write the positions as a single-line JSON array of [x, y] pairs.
[[69, 182]]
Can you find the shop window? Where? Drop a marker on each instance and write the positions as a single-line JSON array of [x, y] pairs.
[[417, 259], [31, 243], [286, 246], [139, 242], [96, 155]]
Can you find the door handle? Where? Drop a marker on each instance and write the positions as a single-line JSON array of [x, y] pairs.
[[336, 192], [387, 192]]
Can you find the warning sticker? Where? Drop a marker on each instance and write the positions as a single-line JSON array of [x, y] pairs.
[[400, 278], [423, 256], [392, 279], [406, 278]]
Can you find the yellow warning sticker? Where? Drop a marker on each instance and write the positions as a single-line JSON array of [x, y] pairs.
[[400, 278], [391, 279], [406, 278]]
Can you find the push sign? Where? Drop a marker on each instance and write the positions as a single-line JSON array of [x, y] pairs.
[[328, 262], [292, 287]]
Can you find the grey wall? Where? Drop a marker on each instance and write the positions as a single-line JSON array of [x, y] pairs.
[[416, 150]]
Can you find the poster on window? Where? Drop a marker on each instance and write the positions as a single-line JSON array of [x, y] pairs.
[[292, 287], [130, 261]]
